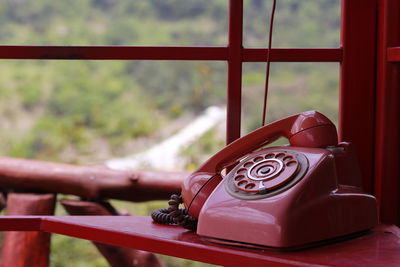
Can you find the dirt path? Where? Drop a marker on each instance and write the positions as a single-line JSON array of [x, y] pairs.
[[166, 154]]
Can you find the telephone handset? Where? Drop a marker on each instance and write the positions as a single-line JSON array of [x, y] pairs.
[[307, 129], [279, 196]]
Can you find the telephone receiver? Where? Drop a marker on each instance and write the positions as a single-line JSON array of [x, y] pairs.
[[283, 197], [307, 129]]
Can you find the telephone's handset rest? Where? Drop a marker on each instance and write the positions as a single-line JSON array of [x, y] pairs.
[[307, 129]]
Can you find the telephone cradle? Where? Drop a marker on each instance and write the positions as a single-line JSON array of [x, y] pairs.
[[279, 197]]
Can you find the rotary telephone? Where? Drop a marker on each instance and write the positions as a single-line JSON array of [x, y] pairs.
[[280, 197]]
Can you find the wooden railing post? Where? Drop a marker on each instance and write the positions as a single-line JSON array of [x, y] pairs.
[[23, 249]]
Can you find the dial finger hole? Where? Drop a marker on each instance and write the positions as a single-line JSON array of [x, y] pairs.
[[242, 183], [287, 158], [241, 171], [269, 156], [257, 159], [250, 186], [248, 164], [280, 155], [239, 177], [291, 163]]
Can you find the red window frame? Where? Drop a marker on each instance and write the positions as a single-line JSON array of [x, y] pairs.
[[362, 103]]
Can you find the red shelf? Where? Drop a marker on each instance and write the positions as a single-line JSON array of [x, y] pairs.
[[380, 247]]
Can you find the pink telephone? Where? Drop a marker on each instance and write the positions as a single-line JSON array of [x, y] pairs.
[[282, 197]]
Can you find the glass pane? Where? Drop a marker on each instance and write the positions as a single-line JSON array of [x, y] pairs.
[[311, 23], [109, 22], [93, 111], [294, 88]]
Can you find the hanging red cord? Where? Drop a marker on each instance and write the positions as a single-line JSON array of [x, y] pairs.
[[271, 24]]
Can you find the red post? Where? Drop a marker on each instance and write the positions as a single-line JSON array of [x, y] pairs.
[[2, 201], [23, 249], [387, 157], [234, 91], [357, 82]]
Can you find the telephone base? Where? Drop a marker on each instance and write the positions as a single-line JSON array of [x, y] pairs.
[[287, 249], [314, 208]]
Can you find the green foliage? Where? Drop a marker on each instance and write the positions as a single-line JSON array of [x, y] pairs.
[[205, 80], [88, 101], [73, 105], [68, 251], [294, 87], [311, 23], [198, 152]]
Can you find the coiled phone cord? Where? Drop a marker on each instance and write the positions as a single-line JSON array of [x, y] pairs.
[[174, 215]]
